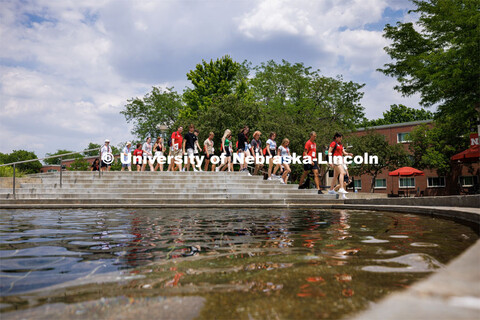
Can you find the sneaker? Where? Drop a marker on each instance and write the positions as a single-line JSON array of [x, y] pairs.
[[269, 179], [331, 192], [282, 182], [249, 174], [194, 169], [344, 197], [320, 192], [217, 169], [341, 190], [183, 170]]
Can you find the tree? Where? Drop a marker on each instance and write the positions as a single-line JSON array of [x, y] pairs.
[[56, 161], [96, 152], [399, 114], [389, 156], [439, 59], [431, 147], [22, 155], [156, 108], [80, 164], [210, 80]]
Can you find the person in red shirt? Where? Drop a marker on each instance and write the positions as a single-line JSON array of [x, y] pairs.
[[311, 151], [336, 150], [138, 153], [176, 148]]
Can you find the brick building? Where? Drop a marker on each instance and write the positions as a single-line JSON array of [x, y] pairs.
[[463, 178]]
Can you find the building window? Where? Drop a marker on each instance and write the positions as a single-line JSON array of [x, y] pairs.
[[436, 182], [407, 182], [357, 184], [403, 137], [468, 181], [380, 183], [52, 170]]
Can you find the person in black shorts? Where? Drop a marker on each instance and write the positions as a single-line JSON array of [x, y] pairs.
[[311, 151]]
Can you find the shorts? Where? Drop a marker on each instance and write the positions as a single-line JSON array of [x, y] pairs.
[[104, 165], [209, 156], [190, 152], [158, 154], [286, 159], [125, 165], [227, 152], [177, 152], [308, 167]]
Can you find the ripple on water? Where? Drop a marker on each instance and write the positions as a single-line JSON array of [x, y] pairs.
[[371, 239], [423, 244], [413, 262]]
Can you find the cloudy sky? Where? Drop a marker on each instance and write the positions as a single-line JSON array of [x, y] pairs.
[[67, 67]]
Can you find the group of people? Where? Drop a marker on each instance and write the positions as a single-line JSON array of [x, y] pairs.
[[187, 144]]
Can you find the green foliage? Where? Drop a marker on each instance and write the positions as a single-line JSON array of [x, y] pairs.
[[295, 101], [227, 112], [92, 145], [22, 155], [80, 164], [432, 147], [7, 171], [156, 107], [399, 114], [56, 161], [389, 156], [440, 61], [210, 80], [116, 165]]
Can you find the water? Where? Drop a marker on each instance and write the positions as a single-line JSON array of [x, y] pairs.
[[272, 263]]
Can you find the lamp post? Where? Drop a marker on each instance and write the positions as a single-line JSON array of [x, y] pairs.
[[163, 128]]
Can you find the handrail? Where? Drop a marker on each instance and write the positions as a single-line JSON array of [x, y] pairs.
[[50, 157]]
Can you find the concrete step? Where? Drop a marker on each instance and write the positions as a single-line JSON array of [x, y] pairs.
[[157, 184], [152, 202], [172, 196], [158, 190]]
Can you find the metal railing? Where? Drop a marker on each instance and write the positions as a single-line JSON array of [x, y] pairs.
[[52, 157]]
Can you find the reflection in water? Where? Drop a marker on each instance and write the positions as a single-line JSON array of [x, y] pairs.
[[414, 262], [295, 263]]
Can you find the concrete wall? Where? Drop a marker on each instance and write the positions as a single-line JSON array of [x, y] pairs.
[[472, 201]]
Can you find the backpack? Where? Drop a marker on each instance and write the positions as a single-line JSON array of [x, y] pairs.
[[265, 151]]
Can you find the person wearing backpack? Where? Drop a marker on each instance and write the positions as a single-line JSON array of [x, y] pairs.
[[176, 148], [336, 150]]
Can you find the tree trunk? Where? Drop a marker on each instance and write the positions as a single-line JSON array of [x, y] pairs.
[[372, 187]]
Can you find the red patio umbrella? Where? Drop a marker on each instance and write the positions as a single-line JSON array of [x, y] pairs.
[[406, 171], [472, 153]]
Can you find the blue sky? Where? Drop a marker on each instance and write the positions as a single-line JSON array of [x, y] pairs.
[[68, 67]]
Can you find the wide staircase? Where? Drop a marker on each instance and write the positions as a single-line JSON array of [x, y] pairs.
[[157, 189]]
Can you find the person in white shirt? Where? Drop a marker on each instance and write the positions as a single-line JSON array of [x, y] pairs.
[[126, 151], [284, 153], [147, 152], [271, 151], [104, 150], [209, 151]]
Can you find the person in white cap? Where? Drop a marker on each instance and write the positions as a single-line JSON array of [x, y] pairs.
[[126, 151], [105, 149]]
